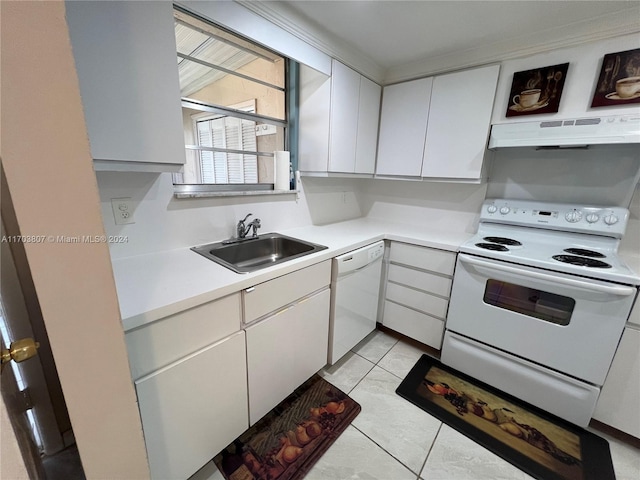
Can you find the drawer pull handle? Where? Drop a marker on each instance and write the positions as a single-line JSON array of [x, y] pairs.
[[250, 289]]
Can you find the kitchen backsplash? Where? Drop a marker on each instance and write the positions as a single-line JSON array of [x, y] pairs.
[[163, 222], [599, 175]]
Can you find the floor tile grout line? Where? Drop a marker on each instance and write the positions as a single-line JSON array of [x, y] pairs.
[[435, 439], [385, 450], [373, 365], [388, 351], [377, 364]]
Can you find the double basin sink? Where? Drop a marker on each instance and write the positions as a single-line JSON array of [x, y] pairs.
[[252, 254]]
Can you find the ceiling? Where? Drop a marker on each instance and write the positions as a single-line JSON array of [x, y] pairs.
[[395, 39]]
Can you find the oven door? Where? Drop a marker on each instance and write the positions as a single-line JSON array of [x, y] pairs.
[[567, 323]]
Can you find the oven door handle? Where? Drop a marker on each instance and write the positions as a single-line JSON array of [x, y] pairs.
[[620, 290]]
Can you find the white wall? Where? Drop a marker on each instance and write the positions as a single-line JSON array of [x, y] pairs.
[[53, 191], [630, 244], [600, 175], [164, 222], [585, 62], [436, 205]]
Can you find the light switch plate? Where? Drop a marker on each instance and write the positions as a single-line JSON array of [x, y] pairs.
[[122, 210]]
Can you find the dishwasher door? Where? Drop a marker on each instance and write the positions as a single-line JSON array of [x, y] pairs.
[[355, 287]]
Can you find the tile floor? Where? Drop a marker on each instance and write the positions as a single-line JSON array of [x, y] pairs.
[[391, 439]]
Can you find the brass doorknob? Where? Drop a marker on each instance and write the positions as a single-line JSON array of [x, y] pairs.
[[20, 350]]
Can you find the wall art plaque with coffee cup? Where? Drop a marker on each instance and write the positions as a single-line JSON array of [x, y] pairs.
[[537, 91], [619, 80]]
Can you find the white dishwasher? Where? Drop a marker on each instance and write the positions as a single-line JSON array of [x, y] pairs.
[[355, 287]]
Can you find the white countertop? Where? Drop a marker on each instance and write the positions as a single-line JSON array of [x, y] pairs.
[[156, 285]]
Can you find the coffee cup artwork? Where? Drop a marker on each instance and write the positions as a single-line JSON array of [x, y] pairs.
[[527, 98], [537, 91], [628, 87], [619, 79]]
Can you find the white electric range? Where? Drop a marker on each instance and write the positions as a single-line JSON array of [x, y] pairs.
[[539, 302]]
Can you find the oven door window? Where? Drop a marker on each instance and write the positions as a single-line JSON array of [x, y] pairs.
[[529, 301]]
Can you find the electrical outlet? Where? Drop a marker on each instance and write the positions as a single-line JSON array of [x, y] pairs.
[[122, 210]]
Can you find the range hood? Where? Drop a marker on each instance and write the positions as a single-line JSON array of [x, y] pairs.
[[574, 132]]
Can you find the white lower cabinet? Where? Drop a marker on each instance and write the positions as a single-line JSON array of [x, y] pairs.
[[417, 291], [193, 408], [284, 350], [619, 401]]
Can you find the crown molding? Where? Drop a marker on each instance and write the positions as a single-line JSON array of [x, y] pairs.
[[616, 24], [605, 27], [297, 25]]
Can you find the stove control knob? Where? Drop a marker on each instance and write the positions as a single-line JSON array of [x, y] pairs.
[[573, 216], [505, 210], [593, 217], [610, 219], [492, 209]]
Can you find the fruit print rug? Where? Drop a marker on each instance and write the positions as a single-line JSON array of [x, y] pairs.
[[537, 442], [288, 440]]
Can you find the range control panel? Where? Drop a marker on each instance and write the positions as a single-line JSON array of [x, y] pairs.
[[598, 220]]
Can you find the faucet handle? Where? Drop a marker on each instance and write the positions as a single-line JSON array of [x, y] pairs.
[[255, 223]]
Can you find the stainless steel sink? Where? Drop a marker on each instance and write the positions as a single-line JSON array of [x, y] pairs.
[[249, 255]]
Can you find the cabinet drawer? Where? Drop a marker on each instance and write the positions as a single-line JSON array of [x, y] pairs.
[[153, 346], [194, 408], [269, 296], [422, 301], [421, 257], [420, 280], [416, 325]]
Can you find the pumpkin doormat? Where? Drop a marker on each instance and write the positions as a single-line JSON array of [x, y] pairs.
[[542, 445], [288, 440]]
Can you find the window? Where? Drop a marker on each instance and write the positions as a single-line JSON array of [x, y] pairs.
[[235, 105]]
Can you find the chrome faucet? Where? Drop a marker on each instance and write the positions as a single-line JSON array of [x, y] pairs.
[[242, 229]]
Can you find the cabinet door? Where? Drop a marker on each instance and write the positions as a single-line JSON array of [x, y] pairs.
[[194, 408], [284, 350], [618, 402], [368, 121], [459, 123], [312, 330], [403, 126], [314, 118], [125, 54], [345, 88]]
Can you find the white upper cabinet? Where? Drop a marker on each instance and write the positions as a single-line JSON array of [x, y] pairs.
[[403, 125], [125, 55], [355, 111], [314, 113], [345, 99], [338, 121], [437, 127], [368, 121], [459, 123]]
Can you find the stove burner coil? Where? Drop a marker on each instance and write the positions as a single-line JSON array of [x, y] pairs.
[[581, 261], [502, 241], [584, 253], [492, 246]]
